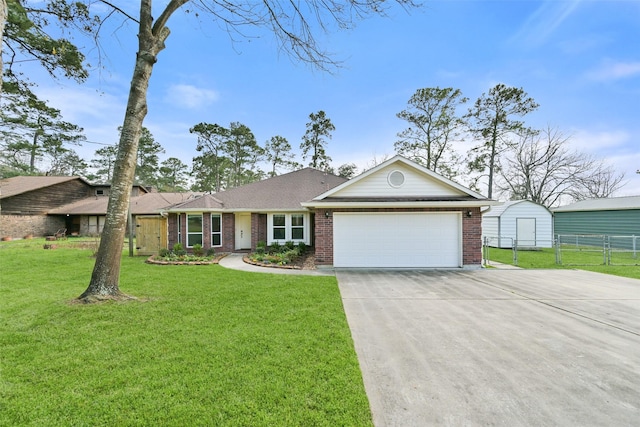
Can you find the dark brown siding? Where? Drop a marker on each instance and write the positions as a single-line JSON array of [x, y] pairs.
[[40, 201]]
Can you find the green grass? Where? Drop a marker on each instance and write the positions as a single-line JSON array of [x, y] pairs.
[[206, 346], [546, 258]]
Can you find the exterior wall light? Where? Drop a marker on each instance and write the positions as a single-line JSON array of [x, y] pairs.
[[469, 213]]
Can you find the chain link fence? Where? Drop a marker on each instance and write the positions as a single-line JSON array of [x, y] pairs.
[[574, 249]]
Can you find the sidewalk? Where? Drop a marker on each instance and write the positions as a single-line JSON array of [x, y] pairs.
[[234, 262], [501, 266]]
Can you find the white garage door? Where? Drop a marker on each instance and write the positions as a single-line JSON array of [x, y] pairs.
[[404, 240]]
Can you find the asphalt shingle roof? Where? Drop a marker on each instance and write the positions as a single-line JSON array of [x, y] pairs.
[[148, 203], [22, 184], [283, 192]]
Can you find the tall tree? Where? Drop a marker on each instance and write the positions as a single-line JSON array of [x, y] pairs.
[[28, 35], [173, 175], [434, 126], [315, 139], [493, 123], [243, 152], [291, 24], [210, 173], [30, 128], [278, 153], [347, 170], [67, 162], [544, 169], [103, 163], [148, 159], [209, 166]]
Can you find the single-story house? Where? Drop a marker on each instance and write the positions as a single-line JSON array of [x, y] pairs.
[[520, 222], [397, 214], [614, 216]]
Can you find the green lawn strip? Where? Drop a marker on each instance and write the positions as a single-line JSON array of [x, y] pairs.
[[546, 258], [206, 346]]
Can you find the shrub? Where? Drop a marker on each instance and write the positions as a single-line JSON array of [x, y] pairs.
[[164, 252], [262, 245], [302, 247], [289, 245], [275, 248], [197, 250], [177, 247], [211, 252]]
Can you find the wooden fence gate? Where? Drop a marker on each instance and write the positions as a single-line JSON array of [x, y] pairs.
[[151, 234]]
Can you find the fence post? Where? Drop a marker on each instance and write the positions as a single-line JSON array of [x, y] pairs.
[[635, 254], [556, 244], [515, 251], [485, 250]]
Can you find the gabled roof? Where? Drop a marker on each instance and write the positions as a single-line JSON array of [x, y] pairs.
[[418, 187], [498, 210], [23, 184], [282, 192], [145, 204], [608, 204]]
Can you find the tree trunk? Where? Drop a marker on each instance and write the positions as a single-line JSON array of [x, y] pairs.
[[4, 13], [106, 272]]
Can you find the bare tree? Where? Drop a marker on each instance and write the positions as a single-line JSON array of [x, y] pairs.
[[291, 23], [544, 169]]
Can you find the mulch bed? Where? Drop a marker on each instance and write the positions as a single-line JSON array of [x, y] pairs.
[[152, 260], [305, 262]]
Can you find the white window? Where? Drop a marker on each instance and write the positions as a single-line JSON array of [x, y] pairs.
[[216, 230], [96, 224], [194, 230], [292, 227]]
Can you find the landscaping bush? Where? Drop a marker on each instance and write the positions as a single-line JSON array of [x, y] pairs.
[[197, 250], [275, 248]]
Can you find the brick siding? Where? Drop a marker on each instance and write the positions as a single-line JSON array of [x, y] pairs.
[[18, 226], [471, 232]]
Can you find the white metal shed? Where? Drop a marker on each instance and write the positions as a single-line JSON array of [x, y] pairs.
[[520, 222]]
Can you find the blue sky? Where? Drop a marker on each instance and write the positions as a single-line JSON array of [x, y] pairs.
[[579, 59]]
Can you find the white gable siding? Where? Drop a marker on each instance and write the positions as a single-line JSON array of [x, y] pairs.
[[415, 184], [505, 228]]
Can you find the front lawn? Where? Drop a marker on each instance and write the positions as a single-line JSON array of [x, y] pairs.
[[203, 346], [546, 258]]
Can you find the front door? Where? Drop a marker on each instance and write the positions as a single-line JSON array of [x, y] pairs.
[[526, 231], [243, 231]]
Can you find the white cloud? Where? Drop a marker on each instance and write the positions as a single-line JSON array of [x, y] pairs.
[[544, 21], [189, 96], [615, 71], [598, 142]]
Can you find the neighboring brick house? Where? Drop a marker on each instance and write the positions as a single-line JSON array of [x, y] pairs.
[[42, 205], [26, 200], [396, 215]]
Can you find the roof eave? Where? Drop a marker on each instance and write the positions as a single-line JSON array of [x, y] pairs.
[[399, 204]]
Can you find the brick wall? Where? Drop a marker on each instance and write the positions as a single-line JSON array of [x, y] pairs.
[[471, 232], [18, 226], [228, 232], [258, 229]]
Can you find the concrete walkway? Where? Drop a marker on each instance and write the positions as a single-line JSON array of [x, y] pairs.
[[235, 261]]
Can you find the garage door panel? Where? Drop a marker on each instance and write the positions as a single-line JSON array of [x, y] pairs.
[[397, 240]]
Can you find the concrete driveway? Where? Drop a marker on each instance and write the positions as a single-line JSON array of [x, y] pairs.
[[496, 347]]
